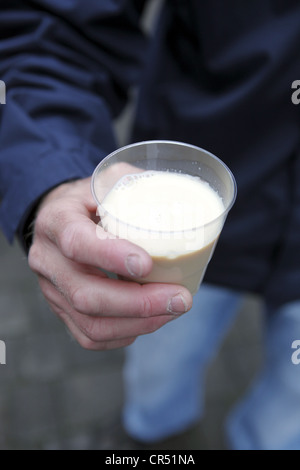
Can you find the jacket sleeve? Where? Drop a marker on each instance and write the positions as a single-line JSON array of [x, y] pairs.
[[67, 67]]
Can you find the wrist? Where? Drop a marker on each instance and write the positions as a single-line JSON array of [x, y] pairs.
[[26, 230]]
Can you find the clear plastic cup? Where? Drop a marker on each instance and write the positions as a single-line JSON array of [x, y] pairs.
[[180, 254]]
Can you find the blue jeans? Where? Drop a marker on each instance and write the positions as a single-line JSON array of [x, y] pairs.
[[164, 376]]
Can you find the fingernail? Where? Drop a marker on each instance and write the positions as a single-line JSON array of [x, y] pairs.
[[134, 265], [177, 305]]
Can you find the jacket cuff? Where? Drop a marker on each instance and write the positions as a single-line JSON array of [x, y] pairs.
[[28, 188]]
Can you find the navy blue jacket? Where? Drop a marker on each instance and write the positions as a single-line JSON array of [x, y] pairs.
[[216, 73]]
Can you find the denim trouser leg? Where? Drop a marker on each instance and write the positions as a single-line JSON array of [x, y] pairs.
[[269, 417], [164, 371]]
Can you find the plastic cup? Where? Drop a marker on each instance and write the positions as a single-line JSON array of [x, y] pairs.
[[179, 256]]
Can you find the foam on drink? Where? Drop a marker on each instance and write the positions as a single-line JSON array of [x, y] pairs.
[[175, 217]]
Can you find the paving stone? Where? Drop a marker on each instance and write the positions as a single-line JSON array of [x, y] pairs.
[[30, 415], [90, 396]]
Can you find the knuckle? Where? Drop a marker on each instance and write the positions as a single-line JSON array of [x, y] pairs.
[[44, 223], [34, 255], [147, 306], [87, 343], [41, 221], [90, 345], [53, 222], [79, 300], [68, 241], [94, 332]]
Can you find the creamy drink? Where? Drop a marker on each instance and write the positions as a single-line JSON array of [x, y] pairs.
[[170, 198], [173, 216]]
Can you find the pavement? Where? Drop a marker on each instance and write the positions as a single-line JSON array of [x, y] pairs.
[[56, 395]]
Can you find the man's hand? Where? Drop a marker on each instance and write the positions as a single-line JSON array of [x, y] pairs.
[[67, 255]]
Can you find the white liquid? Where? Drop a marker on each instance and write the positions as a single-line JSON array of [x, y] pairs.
[[173, 216]]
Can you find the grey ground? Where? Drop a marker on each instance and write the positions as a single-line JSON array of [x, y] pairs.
[[55, 395]]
